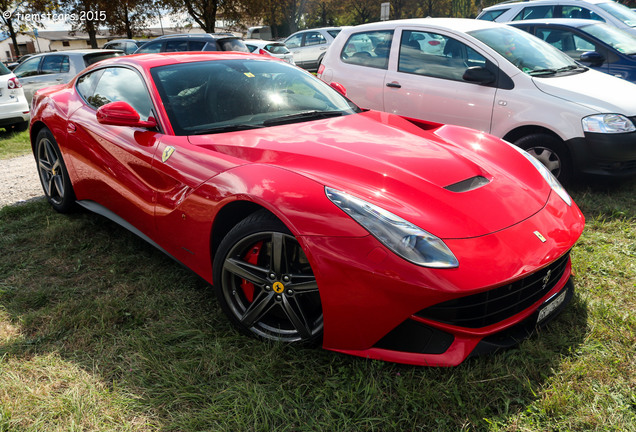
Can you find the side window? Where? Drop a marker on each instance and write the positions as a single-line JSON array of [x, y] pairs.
[[535, 12], [314, 38], [176, 46], [28, 68], [86, 84], [120, 84], [151, 47], [491, 15], [434, 55], [368, 49], [196, 45], [294, 41], [578, 12], [53, 64], [568, 42]]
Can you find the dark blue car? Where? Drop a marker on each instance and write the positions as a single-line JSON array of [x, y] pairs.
[[591, 43]]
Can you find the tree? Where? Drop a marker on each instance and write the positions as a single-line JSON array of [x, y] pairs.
[[12, 13], [128, 17]]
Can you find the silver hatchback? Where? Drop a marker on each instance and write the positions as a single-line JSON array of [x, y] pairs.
[[310, 46]]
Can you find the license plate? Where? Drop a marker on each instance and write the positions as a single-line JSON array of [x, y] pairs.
[[551, 305]]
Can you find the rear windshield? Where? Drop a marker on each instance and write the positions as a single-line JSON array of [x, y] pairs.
[[233, 45], [89, 59], [277, 48], [4, 70]]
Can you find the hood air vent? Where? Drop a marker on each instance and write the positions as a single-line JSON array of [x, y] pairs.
[[468, 184]]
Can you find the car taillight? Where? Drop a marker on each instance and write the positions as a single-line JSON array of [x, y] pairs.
[[13, 83], [262, 51], [433, 43], [321, 69]]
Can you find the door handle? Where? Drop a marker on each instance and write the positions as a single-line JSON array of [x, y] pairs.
[[394, 84], [70, 127]]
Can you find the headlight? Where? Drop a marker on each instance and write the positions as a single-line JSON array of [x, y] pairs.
[[547, 175], [402, 237], [607, 123]]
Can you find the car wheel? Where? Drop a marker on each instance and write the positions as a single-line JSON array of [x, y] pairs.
[[265, 283], [53, 173], [551, 152]]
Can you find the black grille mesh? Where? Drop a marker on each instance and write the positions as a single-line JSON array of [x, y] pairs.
[[490, 307]]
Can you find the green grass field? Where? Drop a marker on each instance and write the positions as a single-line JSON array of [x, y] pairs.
[[101, 332]]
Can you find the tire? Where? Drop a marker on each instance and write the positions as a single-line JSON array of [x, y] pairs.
[[265, 284], [53, 173], [551, 152]]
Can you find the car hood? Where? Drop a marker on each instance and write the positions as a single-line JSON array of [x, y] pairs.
[[391, 162], [598, 91]]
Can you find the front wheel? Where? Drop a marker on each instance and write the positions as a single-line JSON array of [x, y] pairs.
[[265, 284], [551, 152], [53, 173]]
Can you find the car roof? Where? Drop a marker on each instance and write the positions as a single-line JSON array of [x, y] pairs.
[[198, 35], [460, 24], [77, 52], [531, 2], [568, 22], [151, 60]]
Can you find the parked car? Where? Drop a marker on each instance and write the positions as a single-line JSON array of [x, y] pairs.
[[309, 46], [315, 221], [259, 32], [497, 79], [595, 44], [194, 42], [14, 108], [13, 65], [275, 49], [57, 67], [128, 46], [609, 11]]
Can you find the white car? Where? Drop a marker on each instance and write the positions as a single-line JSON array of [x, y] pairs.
[[497, 79], [14, 108], [310, 46], [608, 11], [274, 49]]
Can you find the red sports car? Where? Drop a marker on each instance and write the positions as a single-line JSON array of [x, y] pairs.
[[315, 221]]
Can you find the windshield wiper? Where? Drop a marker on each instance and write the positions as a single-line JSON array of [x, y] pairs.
[[302, 116], [226, 128], [543, 72]]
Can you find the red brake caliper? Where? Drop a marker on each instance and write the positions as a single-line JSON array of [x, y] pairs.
[[252, 258]]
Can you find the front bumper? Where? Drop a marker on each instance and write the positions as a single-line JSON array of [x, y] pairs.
[[372, 300], [604, 154]]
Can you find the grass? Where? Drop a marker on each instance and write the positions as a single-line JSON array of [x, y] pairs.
[[101, 332], [14, 144]]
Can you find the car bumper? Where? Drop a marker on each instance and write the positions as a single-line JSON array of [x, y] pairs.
[[377, 305], [14, 112], [604, 154]]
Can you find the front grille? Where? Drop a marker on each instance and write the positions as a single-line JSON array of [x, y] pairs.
[[490, 307]]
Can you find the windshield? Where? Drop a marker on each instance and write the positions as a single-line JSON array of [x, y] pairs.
[[230, 95], [616, 38], [620, 11], [528, 53]]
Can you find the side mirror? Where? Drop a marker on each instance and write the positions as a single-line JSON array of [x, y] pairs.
[[593, 58], [122, 114], [479, 75], [339, 88]]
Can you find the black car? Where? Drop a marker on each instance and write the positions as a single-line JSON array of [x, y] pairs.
[[194, 42], [128, 46], [592, 43]]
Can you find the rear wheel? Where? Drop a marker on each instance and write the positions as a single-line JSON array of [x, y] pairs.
[[53, 173], [265, 284], [551, 152]]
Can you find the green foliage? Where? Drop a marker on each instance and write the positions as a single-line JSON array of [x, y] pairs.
[[14, 144], [99, 331]]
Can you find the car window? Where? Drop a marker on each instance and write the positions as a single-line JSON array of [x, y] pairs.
[[86, 83], [491, 15], [368, 49], [430, 54], [535, 12], [225, 95], [53, 64], [151, 47], [314, 38], [118, 84], [176, 45], [28, 68], [620, 11], [334, 32], [566, 40], [277, 48], [579, 12], [93, 58], [195, 45], [294, 41], [616, 38], [233, 45], [4, 70]]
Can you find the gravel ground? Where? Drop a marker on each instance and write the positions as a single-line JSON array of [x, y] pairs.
[[19, 180]]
